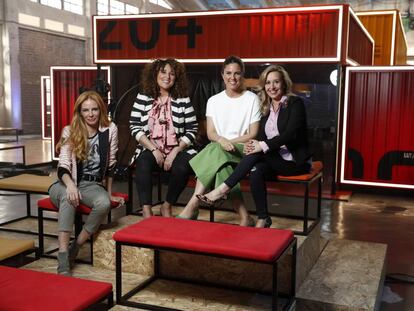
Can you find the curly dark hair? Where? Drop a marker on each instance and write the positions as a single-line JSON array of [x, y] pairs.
[[149, 78]]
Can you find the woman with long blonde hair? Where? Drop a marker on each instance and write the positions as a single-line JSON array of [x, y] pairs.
[[87, 160], [281, 148]]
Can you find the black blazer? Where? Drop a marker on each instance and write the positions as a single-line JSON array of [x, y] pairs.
[[292, 131]]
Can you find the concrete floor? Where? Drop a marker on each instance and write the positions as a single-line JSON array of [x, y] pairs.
[[374, 217]]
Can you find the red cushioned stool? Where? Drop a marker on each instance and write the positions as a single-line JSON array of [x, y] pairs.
[[22, 290], [315, 175], [265, 246], [47, 205]]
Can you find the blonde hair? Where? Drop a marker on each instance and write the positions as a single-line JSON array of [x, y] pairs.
[[78, 137], [265, 100]]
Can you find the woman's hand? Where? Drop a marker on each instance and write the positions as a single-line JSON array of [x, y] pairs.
[[252, 146], [159, 157], [170, 159], [73, 195], [120, 200], [226, 144]]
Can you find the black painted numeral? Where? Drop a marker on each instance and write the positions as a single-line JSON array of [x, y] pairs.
[[191, 30], [103, 45], [150, 44]]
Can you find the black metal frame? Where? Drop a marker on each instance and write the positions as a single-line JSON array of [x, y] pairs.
[[10, 129], [110, 302], [306, 183], [20, 257], [78, 229], [123, 299], [28, 211]]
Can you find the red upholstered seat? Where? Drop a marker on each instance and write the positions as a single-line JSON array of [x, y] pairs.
[[317, 167], [47, 204], [210, 238], [24, 290]]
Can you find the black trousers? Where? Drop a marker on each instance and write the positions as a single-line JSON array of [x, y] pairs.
[[262, 169], [179, 173]]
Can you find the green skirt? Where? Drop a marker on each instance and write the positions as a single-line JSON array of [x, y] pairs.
[[213, 165]]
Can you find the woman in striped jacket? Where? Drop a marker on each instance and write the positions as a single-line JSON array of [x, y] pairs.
[[164, 124]]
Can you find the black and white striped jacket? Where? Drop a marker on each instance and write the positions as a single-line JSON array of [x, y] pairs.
[[184, 121]]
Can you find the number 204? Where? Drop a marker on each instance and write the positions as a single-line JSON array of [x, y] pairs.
[[191, 30]]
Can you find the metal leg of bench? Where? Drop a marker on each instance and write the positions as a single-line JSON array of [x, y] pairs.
[[41, 233], [274, 287], [110, 300], [306, 210], [130, 193], [156, 263], [319, 196], [118, 272], [91, 238], [28, 204], [211, 213], [293, 272]]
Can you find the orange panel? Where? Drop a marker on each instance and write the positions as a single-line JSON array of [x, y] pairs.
[[400, 57], [380, 28], [383, 26]]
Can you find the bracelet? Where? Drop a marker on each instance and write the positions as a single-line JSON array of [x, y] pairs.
[[154, 149]]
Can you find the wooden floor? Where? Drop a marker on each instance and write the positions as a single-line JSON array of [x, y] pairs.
[[372, 217]]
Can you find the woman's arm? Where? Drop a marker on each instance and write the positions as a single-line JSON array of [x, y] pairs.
[[253, 130], [72, 192], [214, 137]]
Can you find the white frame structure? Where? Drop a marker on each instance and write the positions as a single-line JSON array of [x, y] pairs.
[[345, 125]]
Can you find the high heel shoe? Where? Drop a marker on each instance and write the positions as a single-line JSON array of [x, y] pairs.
[[267, 222], [214, 203], [194, 216]]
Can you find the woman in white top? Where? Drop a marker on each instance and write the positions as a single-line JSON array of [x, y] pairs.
[[232, 119]]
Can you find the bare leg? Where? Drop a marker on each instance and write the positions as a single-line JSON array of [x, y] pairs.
[[260, 223], [245, 219], [147, 211], [218, 192], [193, 204], [82, 237], [166, 209]]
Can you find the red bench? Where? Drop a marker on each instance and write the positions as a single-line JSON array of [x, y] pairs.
[[47, 205], [22, 290], [315, 175], [209, 239]]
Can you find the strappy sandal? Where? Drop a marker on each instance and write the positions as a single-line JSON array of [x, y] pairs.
[[214, 203]]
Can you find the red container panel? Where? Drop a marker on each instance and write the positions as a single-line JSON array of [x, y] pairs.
[[266, 34], [360, 47], [379, 139]]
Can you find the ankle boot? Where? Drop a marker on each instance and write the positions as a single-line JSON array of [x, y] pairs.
[[74, 248], [63, 264]]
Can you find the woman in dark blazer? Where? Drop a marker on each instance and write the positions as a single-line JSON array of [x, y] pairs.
[[281, 147]]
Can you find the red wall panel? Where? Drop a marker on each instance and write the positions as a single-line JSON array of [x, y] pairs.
[[360, 47], [378, 146]]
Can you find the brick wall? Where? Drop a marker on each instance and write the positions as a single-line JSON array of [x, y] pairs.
[[38, 51]]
